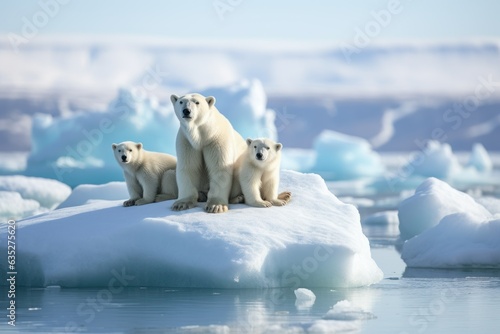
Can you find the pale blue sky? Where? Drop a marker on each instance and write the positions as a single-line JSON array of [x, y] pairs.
[[313, 20]]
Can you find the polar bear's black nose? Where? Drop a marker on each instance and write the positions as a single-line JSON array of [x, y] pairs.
[[259, 156], [186, 112], [124, 158]]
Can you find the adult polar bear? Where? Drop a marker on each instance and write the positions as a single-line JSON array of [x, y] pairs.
[[207, 147]]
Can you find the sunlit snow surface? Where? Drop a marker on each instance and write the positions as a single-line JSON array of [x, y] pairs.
[[315, 241]]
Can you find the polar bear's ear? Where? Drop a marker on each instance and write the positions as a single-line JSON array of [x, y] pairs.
[[210, 100], [114, 146], [279, 146], [138, 145], [249, 141], [173, 98]]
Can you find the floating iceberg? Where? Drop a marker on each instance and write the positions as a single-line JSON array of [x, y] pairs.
[[465, 233], [76, 149], [433, 200], [436, 160], [340, 157], [315, 241]]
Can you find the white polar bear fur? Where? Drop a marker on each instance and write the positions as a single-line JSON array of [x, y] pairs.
[[207, 147], [257, 175], [150, 176]]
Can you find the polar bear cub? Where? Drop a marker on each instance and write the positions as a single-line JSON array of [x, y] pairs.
[[150, 176], [257, 175]]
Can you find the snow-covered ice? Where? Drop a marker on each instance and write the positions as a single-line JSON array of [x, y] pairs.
[[315, 241], [452, 229], [433, 200], [13, 206], [340, 156], [49, 193], [23, 196], [88, 193], [480, 159]]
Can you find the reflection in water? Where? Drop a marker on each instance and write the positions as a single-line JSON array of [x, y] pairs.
[[153, 309]]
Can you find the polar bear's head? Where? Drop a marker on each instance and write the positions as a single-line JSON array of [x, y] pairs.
[[192, 108], [127, 152], [263, 150]]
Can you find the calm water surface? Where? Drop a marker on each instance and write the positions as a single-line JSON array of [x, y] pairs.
[[406, 301]]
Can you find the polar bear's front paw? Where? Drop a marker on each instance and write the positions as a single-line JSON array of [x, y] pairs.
[[215, 206], [129, 202], [180, 205]]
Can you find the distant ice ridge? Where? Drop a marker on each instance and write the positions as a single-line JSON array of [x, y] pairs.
[[22, 196], [449, 229], [76, 149], [315, 241]]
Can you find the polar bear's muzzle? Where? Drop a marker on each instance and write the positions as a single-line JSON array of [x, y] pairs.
[[124, 158], [186, 113], [260, 156]]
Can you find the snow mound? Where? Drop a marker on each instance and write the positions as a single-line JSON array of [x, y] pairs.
[[315, 241], [344, 310], [340, 157], [48, 193], [88, 193], [433, 200], [76, 148], [455, 230]]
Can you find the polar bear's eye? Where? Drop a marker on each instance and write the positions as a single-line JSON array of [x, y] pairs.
[[197, 102], [255, 146], [119, 151], [129, 150], [180, 102], [267, 148]]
